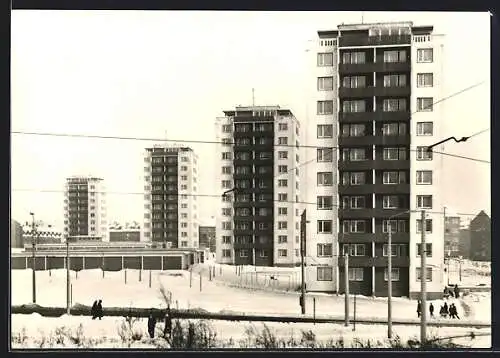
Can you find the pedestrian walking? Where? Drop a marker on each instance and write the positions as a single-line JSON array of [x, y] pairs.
[[453, 311], [93, 310], [167, 331], [151, 325], [431, 310], [456, 291], [445, 310], [99, 311], [419, 308]]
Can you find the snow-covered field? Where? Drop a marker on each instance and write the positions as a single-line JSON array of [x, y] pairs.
[[215, 296]]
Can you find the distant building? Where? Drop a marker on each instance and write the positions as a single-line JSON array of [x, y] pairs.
[[452, 236], [16, 234], [85, 209], [125, 233], [480, 237], [464, 245], [207, 237], [43, 235]]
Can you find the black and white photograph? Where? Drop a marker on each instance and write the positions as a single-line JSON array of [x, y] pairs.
[[209, 180]]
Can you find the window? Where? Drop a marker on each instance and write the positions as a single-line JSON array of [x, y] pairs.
[[282, 253], [324, 202], [353, 154], [243, 253], [325, 59], [428, 250], [394, 177], [226, 170], [354, 249], [354, 106], [282, 211], [395, 250], [354, 82], [324, 155], [226, 239], [226, 156], [265, 155], [425, 79], [282, 239], [394, 105], [354, 226], [283, 154], [425, 55], [226, 211], [226, 225], [184, 234], [424, 128], [325, 226], [424, 177], [325, 178], [353, 57], [325, 107], [226, 184], [356, 273], [227, 128], [282, 197], [325, 83], [424, 201], [424, 154], [264, 211], [428, 274], [282, 168], [389, 129], [428, 225], [283, 126], [353, 178], [183, 187], [324, 250], [390, 202], [324, 273], [282, 141], [263, 253], [283, 183], [226, 253], [282, 225], [325, 130], [394, 274], [425, 104], [394, 56], [353, 202], [394, 154], [353, 130], [394, 80]]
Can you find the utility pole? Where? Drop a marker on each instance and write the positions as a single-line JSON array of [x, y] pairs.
[[33, 241], [302, 263], [346, 277], [423, 282], [68, 279], [389, 284]]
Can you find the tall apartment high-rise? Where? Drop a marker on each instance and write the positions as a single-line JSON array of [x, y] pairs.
[[85, 209], [258, 222], [171, 214], [376, 85]]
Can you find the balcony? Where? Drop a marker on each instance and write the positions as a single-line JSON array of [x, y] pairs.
[[380, 164], [367, 140], [360, 92], [348, 214], [356, 68], [397, 237], [387, 213], [400, 116], [237, 245], [397, 261], [356, 117], [392, 188], [247, 175], [396, 67], [355, 238], [356, 189], [360, 165], [360, 40], [386, 140], [395, 91]]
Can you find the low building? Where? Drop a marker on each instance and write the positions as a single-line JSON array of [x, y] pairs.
[[480, 237], [207, 237], [16, 234], [125, 233], [452, 236], [43, 235]]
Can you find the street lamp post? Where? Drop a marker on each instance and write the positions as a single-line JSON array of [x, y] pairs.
[[33, 241], [68, 279]]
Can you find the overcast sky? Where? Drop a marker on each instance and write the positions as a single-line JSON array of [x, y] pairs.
[[141, 73]]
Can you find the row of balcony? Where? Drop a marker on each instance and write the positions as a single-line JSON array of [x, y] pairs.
[[370, 67], [374, 91], [376, 237], [363, 213], [377, 164], [377, 116], [368, 189], [375, 140], [367, 261], [349, 40]]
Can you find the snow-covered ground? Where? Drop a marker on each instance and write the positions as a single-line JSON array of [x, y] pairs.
[[215, 296]]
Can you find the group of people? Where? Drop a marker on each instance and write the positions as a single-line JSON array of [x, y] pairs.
[[152, 324], [96, 309], [448, 292], [444, 311]]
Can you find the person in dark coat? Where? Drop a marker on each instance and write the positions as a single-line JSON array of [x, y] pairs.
[[431, 310], [151, 325], [453, 311], [445, 310], [419, 308], [93, 310], [168, 323], [99, 312], [457, 291]]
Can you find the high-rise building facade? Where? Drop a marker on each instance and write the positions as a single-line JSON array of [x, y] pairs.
[[171, 186], [258, 222], [374, 103], [85, 216]]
